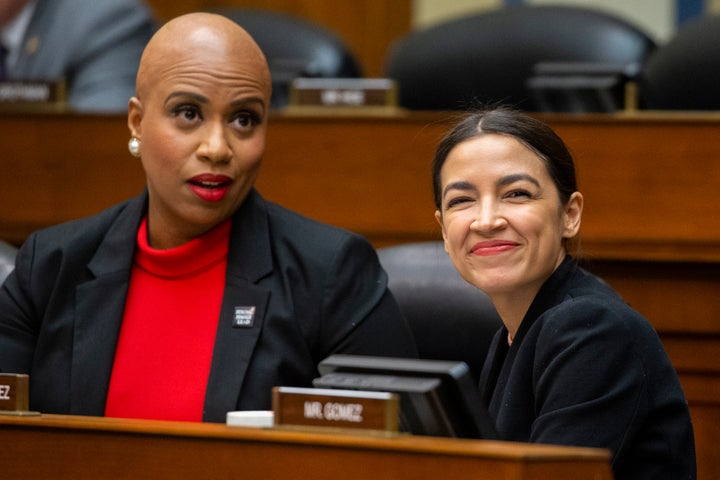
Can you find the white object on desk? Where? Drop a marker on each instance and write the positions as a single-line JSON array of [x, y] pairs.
[[251, 418]]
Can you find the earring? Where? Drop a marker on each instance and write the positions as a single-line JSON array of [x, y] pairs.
[[134, 146]]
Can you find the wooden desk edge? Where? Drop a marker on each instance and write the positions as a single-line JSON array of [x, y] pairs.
[[446, 446]]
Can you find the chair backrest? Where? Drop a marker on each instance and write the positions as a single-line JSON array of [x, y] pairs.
[[684, 73], [451, 319], [294, 47], [7, 260], [487, 58]]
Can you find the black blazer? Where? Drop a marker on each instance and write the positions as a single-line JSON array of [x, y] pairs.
[[316, 290], [585, 369]]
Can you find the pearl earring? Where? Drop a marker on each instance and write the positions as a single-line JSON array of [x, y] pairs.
[[134, 146]]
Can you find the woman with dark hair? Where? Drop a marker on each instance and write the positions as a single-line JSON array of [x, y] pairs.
[[573, 364]]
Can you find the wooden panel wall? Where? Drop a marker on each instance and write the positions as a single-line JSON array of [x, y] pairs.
[[367, 26]]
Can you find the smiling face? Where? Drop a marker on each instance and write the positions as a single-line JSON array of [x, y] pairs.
[[501, 216], [203, 94]]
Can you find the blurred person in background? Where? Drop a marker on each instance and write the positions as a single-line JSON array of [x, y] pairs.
[[93, 45]]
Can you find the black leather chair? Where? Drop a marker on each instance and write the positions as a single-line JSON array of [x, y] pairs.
[[294, 47], [7, 260], [451, 319], [684, 73], [488, 58]]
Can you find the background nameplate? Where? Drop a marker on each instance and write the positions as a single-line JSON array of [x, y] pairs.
[[343, 92], [32, 95]]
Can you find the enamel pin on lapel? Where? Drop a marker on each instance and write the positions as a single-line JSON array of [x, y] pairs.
[[244, 317]]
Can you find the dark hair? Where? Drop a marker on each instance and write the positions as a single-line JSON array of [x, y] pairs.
[[531, 132]]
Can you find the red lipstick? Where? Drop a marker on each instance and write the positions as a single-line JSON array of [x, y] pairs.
[[210, 187]]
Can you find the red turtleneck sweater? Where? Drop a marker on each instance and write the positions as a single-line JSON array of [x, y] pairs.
[[163, 356]]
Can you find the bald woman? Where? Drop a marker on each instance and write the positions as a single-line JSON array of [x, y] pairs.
[[198, 296]]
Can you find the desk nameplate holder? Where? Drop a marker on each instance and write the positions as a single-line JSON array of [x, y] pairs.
[[359, 411], [32, 96], [342, 95], [14, 394]]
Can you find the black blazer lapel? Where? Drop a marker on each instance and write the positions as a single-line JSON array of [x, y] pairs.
[[100, 307], [241, 318], [243, 309], [100, 304]]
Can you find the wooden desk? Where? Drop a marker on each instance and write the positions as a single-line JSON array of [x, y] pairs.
[[78, 448], [651, 226]]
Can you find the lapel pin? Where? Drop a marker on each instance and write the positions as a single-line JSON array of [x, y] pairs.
[[32, 45], [244, 317]]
